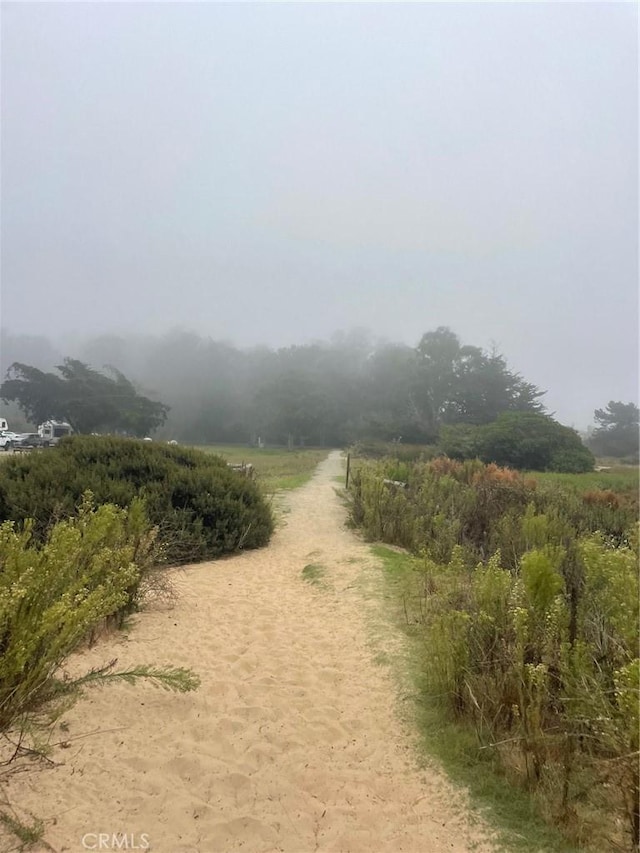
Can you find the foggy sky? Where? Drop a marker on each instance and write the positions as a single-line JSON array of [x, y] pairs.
[[270, 173]]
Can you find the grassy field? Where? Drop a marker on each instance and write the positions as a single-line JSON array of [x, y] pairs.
[[276, 468], [621, 478]]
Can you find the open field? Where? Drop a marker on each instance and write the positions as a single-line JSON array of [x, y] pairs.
[[623, 481], [275, 467], [620, 478]]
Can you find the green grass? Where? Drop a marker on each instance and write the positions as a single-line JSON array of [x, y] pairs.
[[275, 468], [27, 834], [378, 449], [622, 478], [313, 573], [507, 808]]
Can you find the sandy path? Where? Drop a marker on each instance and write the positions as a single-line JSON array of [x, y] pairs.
[[290, 744]]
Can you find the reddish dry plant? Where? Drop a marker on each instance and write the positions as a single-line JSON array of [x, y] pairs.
[[602, 497], [493, 473], [443, 466]]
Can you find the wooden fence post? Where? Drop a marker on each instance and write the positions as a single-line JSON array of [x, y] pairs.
[[346, 485]]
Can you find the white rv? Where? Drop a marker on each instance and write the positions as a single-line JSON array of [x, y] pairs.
[[50, 432]]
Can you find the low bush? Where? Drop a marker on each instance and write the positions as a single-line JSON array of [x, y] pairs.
[[201, 508], [524, 440], [52, 594]]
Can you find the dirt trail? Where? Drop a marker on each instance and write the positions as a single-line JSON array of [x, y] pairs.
[[291, 743]]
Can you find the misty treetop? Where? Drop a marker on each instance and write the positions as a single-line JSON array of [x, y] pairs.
[[324, 393], [351, 388], [617, 433], [464, 384], [89, 400]]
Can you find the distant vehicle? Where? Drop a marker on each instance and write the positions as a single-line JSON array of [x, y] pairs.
[[173, 441], [50, 432], [27, 439], [7, 439]]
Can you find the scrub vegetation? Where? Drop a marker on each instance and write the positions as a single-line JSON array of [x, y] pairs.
[[522, 594], [56, 589], [523, 600]]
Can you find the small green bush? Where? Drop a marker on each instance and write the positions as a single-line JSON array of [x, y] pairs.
[[52, 594], [201, 508]]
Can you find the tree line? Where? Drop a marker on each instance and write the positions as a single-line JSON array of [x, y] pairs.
[[329, 393], [317, 394]]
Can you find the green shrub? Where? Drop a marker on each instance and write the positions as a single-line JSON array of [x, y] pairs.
[[524, 440], [53, 593], [546, 667], [201, 508], [459, 441]]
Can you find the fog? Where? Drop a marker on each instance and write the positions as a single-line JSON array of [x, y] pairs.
[[272, 173]]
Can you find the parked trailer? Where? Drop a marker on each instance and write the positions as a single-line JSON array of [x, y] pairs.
[[48, 435], [50, 432]]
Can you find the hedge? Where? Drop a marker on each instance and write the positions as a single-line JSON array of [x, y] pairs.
[[201, 508]]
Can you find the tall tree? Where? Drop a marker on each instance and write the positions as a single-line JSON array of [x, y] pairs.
[[39, 395], [390, 408], [617, 433], [89, 400], [463, 384]]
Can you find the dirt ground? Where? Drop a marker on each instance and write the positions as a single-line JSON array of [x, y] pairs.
[[293, 741]]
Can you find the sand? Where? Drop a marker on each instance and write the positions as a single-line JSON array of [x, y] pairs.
[[293, 741]]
